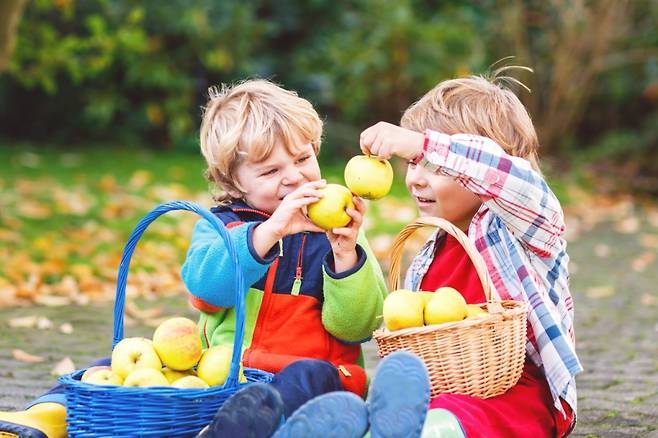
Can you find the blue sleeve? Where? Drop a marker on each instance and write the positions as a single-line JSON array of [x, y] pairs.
[[209, 273]]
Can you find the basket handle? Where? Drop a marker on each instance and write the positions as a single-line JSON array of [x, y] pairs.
[[129, 248], [473, 253]]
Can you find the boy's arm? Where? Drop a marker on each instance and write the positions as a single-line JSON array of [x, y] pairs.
[[209, 272], [353, 299], [508, 185]]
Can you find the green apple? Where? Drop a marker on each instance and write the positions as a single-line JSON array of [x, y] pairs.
[[146, 377], [131, 354], [403, 309], [173, 375], [178, 344], [104, 376], [446, 305], [329, 211], [190, 382], [368, 177], [475, 311], [214, 365], [92, 370]]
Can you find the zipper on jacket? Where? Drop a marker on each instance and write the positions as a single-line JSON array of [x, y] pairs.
[[297, 284]]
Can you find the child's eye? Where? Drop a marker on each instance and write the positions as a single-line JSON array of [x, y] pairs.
[[304, 158], [411, 164], [268, 172]]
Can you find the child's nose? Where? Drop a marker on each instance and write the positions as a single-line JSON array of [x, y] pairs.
[[292, 176], [415, 177]]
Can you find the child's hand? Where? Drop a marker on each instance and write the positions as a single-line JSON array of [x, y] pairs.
[[289, 217], [343, 240], [385, 140]]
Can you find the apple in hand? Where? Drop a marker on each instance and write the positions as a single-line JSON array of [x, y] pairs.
[[190, 382], [178, 344], [369, 177], [329, 211], [214, 365], [131, 354], [104, 376], [146, 377]]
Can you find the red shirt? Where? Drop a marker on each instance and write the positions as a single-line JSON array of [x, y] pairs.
[[526, 409], [453, 267]]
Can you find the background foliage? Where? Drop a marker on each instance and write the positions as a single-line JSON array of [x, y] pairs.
[[127, 72]]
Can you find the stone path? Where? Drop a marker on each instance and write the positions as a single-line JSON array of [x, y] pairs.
[[617, 332]]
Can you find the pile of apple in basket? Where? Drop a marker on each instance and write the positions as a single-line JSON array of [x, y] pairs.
[[173, 358]]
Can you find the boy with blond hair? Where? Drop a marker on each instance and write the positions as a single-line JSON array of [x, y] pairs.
[[313, 296], [472, 159]]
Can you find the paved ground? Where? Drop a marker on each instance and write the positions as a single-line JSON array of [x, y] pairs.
[[617, 330]]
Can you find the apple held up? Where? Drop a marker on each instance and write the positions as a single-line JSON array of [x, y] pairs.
[[368, 177], [329, 211]]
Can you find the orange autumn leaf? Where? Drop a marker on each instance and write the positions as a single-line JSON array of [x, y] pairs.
[[22, 356]]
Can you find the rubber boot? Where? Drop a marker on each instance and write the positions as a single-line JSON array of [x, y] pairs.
[[38, 421], [441, 423]]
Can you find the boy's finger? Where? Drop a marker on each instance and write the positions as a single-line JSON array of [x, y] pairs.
[[347, 232], [359, 204]]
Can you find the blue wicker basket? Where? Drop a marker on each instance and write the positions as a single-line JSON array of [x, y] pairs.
[[103, 410]]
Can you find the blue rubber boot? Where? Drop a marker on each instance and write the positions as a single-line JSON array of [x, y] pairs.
[[441, 423], [399, 396], [255, 411], [338, 414]]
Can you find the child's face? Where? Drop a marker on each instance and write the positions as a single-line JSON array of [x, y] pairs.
[[267, 182], [441, 196]]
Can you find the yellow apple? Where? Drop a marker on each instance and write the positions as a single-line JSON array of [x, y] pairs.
[[173, 375], [190, 382], [178, 343], [425, 295], [131, 354], [92, 370], [475, 311], [402, 309], [104, 377], [369, 177], [446, 305], [146, 377], [214, 365], [329, 211]]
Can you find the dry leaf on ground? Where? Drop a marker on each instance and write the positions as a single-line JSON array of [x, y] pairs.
[[64, 366], [22, 356]]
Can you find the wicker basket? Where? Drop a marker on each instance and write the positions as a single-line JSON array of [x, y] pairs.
[[102, 410], [482, 357]]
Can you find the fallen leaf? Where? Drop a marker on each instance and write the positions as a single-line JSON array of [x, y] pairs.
[[23, 322], [133, 310], [649, 299], [44, 323], [52, 300], [628, 225], [64, 366], [600, 291], [640, 263], [22, 356], [66, 328], [602, 250]]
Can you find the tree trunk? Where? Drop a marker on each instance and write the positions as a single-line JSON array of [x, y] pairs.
[[10, 16]]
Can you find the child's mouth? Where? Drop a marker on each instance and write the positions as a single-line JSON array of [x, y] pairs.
[[422, 200]]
